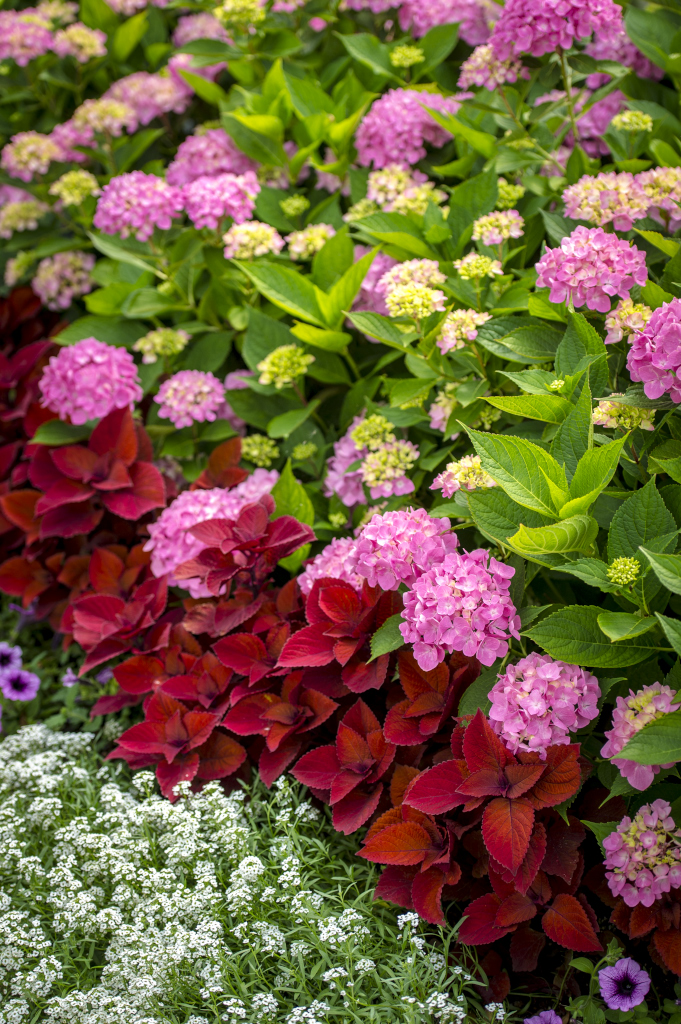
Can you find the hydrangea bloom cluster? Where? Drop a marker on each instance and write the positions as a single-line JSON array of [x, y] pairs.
[[405, 56], [206, 155], [473, 267], [508, 194], [442, 407], [643, 855], [170, 543], [624, 417], [370, 297], [190, 396], [80, 42], [105, 116], [624, 571], [163, 342], [208, 200], [151, 95], [21, 216], [259, 449], [541, 26], [89, 380], [655, 354], [335, 561], [590, 267], [384, 471], [74, 187], [28, 154], [240, 15], [662, 186], [631, 714], [24, 35], [458, 327], [422, 272], [495, 228], [198, 26], [398, 125], [283, 366], [608, 198], [474, 17], [17, 266], [632, 121], [136, 203], [62, 278], [461, 604], [538, 702], [346, 483], [303, 244], [398, 547], [251, 238], [627, 318], [294, 206], [618, 46], [483, 68], [467, 473], [394, 185], [414, 300]]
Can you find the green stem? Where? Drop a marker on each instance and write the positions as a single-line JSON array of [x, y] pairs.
[[540, 149], [567, 83]]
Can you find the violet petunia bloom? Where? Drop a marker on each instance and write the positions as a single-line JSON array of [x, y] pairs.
[[10, 657], [19, 684], [545, 1017], [625, 985]]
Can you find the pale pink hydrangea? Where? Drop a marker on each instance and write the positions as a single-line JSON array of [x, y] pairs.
[[13, 194], [62, 278], [483, 68], [461, 604], [170, 543], [467, 472], [631, 714], [618, 46], [190, 396], [542, 26], [88, 380], [375, 6], [23, 36], [208, 201], [475, 17], [441, 408], [67, 136], [203, 25], [643, 856], [28, 154], [497, 227], [398, 125], [458, 327], [398, 547], [590, 267], [340, 479], [80, 42], [151, 95], [662, 188], [655, 354], [384, 470], [387, 184], [421, 272], [370, 298], [128, 7], [607, 198], [135, 204], [234, 381], [207, 155], [250, 239], [538, 702], [180, 62], [335, 562], [627, 318]]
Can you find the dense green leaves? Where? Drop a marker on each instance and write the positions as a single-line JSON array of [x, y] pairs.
[[526, 472], [573, 634]]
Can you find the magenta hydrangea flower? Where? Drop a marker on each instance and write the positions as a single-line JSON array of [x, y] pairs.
[[207, 155], [624, 985], [538, 702], [10, 657], [461, 604], [89, 380], [198, 26], [334, 562], [190, 396], [618, 46], [643, 856], [375, 6], [62, 278], [483, 68], [29, 153], [541, 26], [630, 715], [23, 36], [208, 200], [150, 95], [340, 479], [655, 354], [590, 267], [370, 298], [170, 543], [607, 198], [398, 125], [136, 203], [475, 17], [19, 684], [398, 547]]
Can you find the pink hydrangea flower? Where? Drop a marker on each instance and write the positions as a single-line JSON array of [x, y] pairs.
[[335, 562], [466, 472], [461, 604], [209, 200], [618, 46], [62, 278], [28, 154], [475, 17], [398, 125], [398, 547], [375, 6], [606, 198], [483, 68], [234, 381], [80, 42], [630, 715], [538, 702], [190, 396], [169, 542], [150, 95], [185, 62], [136, 203], [23, 37], [643, 856], [594, 123], [590, 267], [655, 354], [370, 297], [88, 380], [385, 469], [541, 26], [662, 188], [198, 26], [340, 479], [207, 155]]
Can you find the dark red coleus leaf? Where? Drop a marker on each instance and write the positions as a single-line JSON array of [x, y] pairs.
[[479, 926], [395, 884], [435, 791], [668, 945], [526, 946], [566, 923], [506, 828], [426, 894]]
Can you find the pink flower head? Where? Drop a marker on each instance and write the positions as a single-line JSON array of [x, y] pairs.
[[190, 396], [150, 95], [23, 36], [340, 479], [207, 155], [655, 354], [606, 198], [475, 17], [662, 187], [88, 380], [28, 154], [62, 278], [643, 856], [234, 381], [135, 204], [370, 297], [170, 542], [591, 266], [483, 68], [198, 26], [541, 26], [375, 6], [398, 125], [630, 715], [335, 561], [208, 200], [538, 702], [461, 604], [398, 547], [618, 46]]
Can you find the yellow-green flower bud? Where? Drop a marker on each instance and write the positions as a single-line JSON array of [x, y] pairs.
[[284, 365], [260, 450], [623, 571]]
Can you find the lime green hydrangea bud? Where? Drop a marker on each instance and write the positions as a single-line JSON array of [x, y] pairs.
[[240, 15], [164, 342], [405, 56], [372, 432], [364, 208], [293, 206], [74, 187], [473, 266], [416, 199], [508, 194], [17, 267], [623, 571], [556, 385], [284, 365], [415, 300], [632, 121], [21, 216], [389, 463], [623, 417], [304, 450], [260, 450], [302, 245], [338, 520]]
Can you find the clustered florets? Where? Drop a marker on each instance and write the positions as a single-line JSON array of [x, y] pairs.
[[397, 547], [626, 319], [190, 396], [249, 239], [303, 244], [623, 417], [643, 855], [624, 571], [607, 198], [336, 562], [467, 472], [63, 277], [163, 342], [655, 354], [284, 365], [631, 714], [458, 327], [259, 450], [474, 267], [497, 227], [89, 380]]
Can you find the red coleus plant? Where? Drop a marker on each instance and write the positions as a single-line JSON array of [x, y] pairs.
[[661, 922], [222, 469], [431, 697]]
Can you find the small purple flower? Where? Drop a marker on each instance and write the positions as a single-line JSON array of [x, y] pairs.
[[545, 1017], [69, 678], [19, 684], [10, 657], [625, 985]]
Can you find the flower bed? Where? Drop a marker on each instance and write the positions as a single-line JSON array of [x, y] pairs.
[[339, 441]]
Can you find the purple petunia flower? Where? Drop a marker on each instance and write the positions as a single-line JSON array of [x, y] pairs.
[[19, 684], [545, 1017], [69, 678], [10, 657], [625, 985]]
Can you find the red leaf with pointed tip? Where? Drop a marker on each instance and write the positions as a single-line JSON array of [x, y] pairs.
[[115, 433], [146, 493], [241, 652], [479, 928], [65, 492], [352, 811], [219, 756], [74, 461], [112, 703], [42, 471], [401, 730], [395, 884], [668, 945], [522, 777], [19, 508], [426, 892], [435, 790], [308, 647], [486, 782], [144, 738], [340, 603], [169, 775], [138, 674], [499, 881], [527, 872], [506, 829], [362, 719], [359, 676], [482, 748], [70, 520], [562, 851], [199, 726], [352, 749], [416, 681], [403, 843], [245, 718], [273, 763], [105, 571], [642, 921], [526, 946], [567, 924], [515, 909], [561, 778], [318, 768], [402, 776]]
